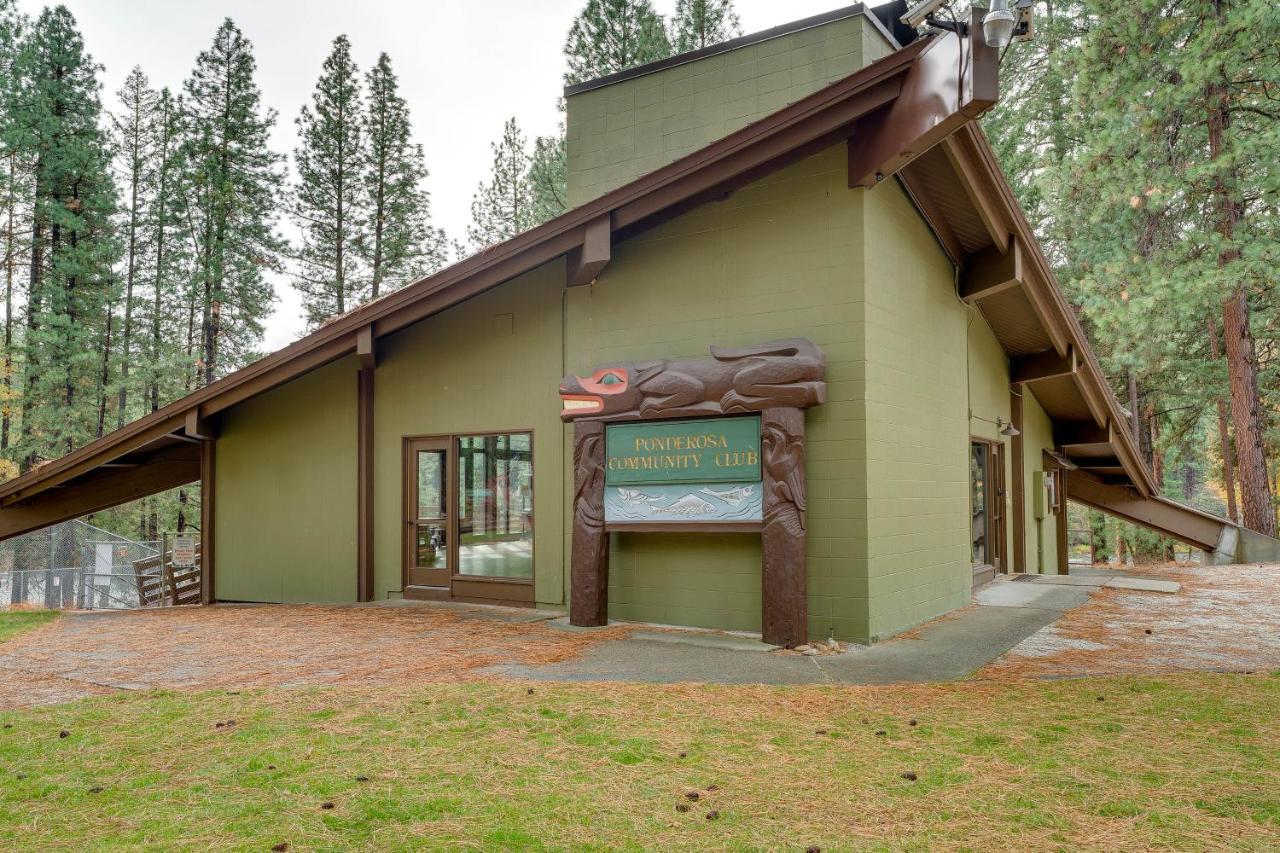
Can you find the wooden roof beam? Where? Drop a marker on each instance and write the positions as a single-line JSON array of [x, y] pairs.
[[982, 195], [584, 263], [174, 466], [990, 271], [364, 347], [934, 104], [197, 427], [1043, 365], [1196, 528], [1079, 433], [923, 199]]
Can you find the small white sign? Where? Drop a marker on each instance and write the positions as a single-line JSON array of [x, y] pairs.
[[184, 552]]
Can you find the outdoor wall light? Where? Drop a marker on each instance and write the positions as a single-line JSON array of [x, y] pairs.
[[1006, 428], [998, 24]]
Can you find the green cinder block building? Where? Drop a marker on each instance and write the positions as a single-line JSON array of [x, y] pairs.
[[825, 180]]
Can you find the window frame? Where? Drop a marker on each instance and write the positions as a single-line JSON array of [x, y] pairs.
[[517, 591]]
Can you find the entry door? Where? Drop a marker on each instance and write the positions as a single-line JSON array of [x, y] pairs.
[[428, 516], [998, 537], [988, 503]]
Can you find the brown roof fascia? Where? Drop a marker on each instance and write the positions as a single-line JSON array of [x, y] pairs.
[[955, 81], [483, 270], [1047, 297]]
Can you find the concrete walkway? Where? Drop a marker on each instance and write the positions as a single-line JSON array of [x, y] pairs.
[[1004, 614]]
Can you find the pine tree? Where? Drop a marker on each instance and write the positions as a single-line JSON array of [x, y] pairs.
[[613, 35], [547, 173], [400, 243], [170, 267], [701, 23], [133, 141], [1224, 63], [13, 192], [234, 182], [1144, 146], [328, 199], [503, 206], [73, 249]]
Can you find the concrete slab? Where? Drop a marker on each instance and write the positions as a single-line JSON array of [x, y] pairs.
[[466, 610], [948, 648], [663, 662], [705, 640], [944, 650], [1143, 584], [1094, 581], [1004, 593]]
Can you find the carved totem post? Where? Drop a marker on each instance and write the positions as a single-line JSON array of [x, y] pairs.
[[589, 569], [779, 379], [784, 599]]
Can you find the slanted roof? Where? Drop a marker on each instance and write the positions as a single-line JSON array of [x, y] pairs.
[[921, 128]]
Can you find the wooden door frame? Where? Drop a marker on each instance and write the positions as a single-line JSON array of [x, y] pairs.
[[466, 588], [997, 522], [409, 512]]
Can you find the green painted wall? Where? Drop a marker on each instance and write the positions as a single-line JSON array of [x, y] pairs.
[[1037, 432], [989, 400], [917, 432], [492, 363], [617, 133], [285, 498], [781, 257]]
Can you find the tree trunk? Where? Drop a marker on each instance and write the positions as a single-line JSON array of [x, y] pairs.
[[10, 260], [105, 378], [1135, 420], [1257, 511], [35, 298], [1224, 436], [131, 269]]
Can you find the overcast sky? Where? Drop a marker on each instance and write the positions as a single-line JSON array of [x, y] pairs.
[[464, 68]]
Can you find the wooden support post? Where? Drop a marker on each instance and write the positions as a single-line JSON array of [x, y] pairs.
[[585, 262], [1061, 519], [364, 480], [589, 570], [1019, 481], [785, 617], [208, 480]]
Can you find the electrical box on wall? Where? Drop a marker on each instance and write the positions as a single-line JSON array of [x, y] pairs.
[[1040, 494]]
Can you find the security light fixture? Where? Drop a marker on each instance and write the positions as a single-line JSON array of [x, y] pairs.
[[919, 13], [998, 24]]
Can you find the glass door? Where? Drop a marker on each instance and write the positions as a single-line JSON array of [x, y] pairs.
[[428, 513], [986, 503], [980, 502]]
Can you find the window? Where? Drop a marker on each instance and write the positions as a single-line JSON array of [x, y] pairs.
[[469, 516], [495, 506]]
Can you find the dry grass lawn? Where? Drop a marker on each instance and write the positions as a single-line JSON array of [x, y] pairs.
[[1184, 761]]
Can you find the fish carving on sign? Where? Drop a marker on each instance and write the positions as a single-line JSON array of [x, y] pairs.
[[733, 497], [784, 373]]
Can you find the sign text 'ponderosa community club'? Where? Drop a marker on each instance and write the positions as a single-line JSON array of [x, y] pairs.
[[696, 470]]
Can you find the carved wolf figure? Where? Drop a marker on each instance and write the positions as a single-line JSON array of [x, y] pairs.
[[786, 373]]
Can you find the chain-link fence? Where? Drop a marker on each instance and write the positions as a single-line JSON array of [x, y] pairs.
[[77, 565]]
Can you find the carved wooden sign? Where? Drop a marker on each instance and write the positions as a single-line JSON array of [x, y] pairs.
[[635, 468]]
